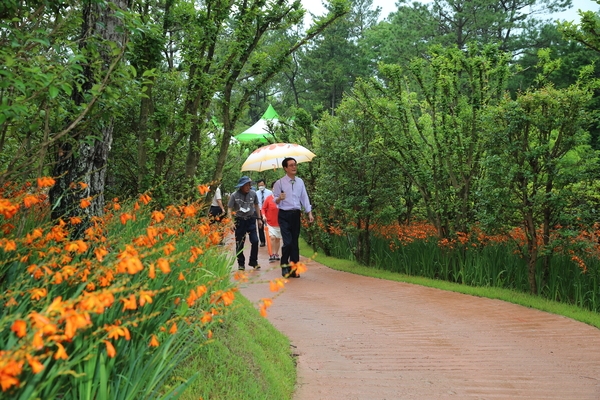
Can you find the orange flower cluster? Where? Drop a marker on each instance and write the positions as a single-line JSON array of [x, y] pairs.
[[113, 271]]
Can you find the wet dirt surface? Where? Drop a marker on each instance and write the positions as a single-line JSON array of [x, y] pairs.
[[364, 338]]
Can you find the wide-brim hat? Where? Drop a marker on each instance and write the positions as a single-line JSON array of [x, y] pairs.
[[243, 180]]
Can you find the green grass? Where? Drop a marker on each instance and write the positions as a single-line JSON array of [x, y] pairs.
[[248, 359], [570, 311]]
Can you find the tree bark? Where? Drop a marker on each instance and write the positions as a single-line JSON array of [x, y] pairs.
[[83, 156]]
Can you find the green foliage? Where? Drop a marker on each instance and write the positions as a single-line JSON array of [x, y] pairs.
[[355, 184], [248, 359], [140, 279]]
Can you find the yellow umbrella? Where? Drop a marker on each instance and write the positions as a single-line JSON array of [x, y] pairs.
[[271, 156]]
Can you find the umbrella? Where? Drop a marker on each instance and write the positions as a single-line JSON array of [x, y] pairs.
[[261, 127], [271, 156]]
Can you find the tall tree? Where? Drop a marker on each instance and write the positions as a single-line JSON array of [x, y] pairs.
[[431, 127], [333, 61], [83, 157], [412, 28], [536, 149]]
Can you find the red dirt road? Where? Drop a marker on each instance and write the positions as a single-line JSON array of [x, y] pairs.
[[364, 338]]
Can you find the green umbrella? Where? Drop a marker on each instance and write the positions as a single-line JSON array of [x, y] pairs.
[[260, 129]]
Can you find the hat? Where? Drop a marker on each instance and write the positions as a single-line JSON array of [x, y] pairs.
[[243, 180]]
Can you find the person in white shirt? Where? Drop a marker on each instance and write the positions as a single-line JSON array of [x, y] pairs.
[[291, 198], [217, 211]]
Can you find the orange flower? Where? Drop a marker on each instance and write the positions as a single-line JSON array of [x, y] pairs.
[[201, 290], [265, 303], [154, 341], [125, 217], [189, 211], [181, 277], [145, 199], [130, 303], [38, 293], [151, 271], [240, 276], [210, 334], [10, 245], [110, 349], [19, 327], [38, 341], [85, 203], [60, 353], [170, 231], [34, 363], [223, 297], [206, 317], [192, 298], [116, 331], [169, 248], [76, 321], [82, 185], [8, 209], [100, 252], [79, 246], [215, 238], [196, 251], [157, 216], [75, 220], [203, 189], [163, 265], [30, 200], [277, 284], [11, 302], [145, 297], [204, 229], [45, 182], [173, 329], [9, 370], [299, 267]]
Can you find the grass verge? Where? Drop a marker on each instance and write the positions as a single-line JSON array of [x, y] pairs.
[[524, 299], [247, 359]]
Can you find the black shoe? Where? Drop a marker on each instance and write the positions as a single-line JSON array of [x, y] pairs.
[[255, 266], [241, 268], [294, 274], [285, 271], [262, 245]]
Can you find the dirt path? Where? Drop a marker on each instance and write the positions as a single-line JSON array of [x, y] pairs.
[[364, 338]]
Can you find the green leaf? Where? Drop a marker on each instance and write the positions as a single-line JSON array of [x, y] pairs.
[[54, 91]]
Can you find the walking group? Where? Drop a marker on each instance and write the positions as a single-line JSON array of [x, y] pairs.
[[280, 209]]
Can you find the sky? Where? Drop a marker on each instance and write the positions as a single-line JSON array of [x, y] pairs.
[[388, 6]]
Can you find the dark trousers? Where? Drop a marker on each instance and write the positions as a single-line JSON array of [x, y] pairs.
[[289, 224], [243, 227], [215, 214]]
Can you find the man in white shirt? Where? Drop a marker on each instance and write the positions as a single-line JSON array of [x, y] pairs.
[[292, 199]]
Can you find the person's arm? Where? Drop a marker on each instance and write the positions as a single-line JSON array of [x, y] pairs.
[[219, 198], [220, 203], [305, 201], [258, 214], [231, 205], [278, 193]]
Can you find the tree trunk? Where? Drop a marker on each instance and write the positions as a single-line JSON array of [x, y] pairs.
[[532, 253], [83, 157]]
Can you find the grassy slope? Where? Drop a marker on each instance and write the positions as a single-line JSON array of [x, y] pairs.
[[248, 359]]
